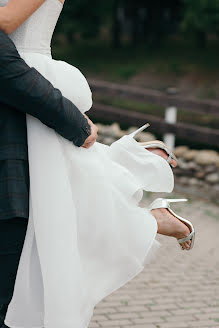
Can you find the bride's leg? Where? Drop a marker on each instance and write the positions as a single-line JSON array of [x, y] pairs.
[[169, 225]]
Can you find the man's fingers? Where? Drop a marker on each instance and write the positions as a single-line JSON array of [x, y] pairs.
[[92, 138], [88, 144]]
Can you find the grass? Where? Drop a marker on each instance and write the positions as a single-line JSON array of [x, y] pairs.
[[183, 116], [176, 58], [177, 63]]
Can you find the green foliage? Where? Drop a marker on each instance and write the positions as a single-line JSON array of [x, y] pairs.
[[83, 18], [143, 22], [201, 17]]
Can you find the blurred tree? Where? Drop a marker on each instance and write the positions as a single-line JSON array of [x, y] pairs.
[[149, 21], [139, 21], [201, 17], [84, 18], [116, 23], [152, 21]]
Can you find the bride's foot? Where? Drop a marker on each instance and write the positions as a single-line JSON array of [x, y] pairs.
[[157, 147], [169, 225], [163, 154]]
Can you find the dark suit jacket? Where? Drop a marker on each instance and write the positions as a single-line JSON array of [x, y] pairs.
[[24, 90]]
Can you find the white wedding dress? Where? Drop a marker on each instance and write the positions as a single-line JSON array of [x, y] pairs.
[[86, 234]]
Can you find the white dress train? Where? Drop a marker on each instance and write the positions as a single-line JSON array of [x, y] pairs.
[[86, 234]]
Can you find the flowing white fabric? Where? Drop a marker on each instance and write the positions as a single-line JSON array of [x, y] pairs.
[[86, 234]]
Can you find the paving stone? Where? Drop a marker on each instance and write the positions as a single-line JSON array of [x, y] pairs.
[[111, 326], [131, 308], [129, 315], [98, 317], [150, 319], [143, 326], [174, 325], [94, 324], [201, 323], [181, 318], [114, 323], [179, 289], [105, 310], [170, 306]]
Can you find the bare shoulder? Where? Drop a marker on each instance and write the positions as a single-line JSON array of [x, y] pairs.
[[16, 12], [62, 1]]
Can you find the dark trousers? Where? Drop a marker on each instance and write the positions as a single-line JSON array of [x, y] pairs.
[[12, 235]]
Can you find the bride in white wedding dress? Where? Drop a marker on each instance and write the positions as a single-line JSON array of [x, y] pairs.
[[86, 234]]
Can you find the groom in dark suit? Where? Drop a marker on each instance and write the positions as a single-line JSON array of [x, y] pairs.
[[23, 90]]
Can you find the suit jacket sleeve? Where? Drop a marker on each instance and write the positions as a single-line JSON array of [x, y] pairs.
[[26, 90]]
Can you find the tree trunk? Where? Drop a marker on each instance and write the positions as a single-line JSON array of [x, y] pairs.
[[135, 29], [116, 30], [202, 39]]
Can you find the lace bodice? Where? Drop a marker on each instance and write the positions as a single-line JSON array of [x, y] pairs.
[[35, 34]]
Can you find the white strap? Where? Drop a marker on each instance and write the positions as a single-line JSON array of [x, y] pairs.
[[169, 158], [183, 240]]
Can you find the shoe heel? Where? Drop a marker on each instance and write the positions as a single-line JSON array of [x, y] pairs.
[[171, 200], [145, 126]]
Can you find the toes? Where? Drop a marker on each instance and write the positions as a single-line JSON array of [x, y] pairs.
[[173, 163], [189, 242], [162, 153], [186, 245], [182, 246]]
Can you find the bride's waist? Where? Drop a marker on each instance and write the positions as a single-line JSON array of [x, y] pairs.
[[30, 50]]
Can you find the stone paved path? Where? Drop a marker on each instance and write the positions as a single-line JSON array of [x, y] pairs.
[[179, 289]]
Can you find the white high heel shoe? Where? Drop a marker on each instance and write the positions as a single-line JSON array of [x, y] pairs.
[[155, 144], [165, 203]]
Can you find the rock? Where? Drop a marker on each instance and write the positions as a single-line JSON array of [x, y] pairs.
[[182, 164], [179, 151], [103, 129], [178, 172], [100, 138], [202, 184], [146, 136], [194, 182], [216, 187], [212, 178], [184, 180], [206, 157], [110, 130], [217, 162], [189, 155], [115, 130], [200, 174], [187, 165], [210, 168], [192, 165], [108, 140]]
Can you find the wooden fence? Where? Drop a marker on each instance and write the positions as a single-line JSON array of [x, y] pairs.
[[202, 135]]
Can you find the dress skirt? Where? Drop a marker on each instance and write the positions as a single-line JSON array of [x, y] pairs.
[[87, 235]]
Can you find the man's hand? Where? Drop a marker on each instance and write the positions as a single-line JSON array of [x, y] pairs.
[[93, 136]]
